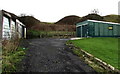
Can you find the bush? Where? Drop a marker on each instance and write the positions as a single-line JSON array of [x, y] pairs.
[[10, 45]]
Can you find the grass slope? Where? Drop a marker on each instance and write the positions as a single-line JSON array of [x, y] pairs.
[[104, 48], [112, 18]]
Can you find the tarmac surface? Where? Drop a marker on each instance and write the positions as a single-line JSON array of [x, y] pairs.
[[51, 55]]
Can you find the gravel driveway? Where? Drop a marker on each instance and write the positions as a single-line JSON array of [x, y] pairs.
[[51, 55]]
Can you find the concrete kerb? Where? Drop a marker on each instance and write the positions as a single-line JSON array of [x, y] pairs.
[[75, 38], [98, 61], [101, 63]]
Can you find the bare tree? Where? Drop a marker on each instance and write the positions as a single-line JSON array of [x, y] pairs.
[[22, 14], [95, 11]]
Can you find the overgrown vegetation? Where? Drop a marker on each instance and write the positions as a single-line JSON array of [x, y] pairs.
[[12, 60], [12, 54], [49, 34], [9, 45], [53, 27], [105, 49]]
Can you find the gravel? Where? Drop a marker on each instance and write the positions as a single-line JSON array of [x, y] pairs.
[[51, 55]]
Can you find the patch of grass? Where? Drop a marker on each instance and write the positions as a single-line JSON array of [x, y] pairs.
[[95, 66], [12, 54], [12, 59], [105, 49]]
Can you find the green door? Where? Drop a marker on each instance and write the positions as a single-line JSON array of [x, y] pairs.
[[84, 31], [78, 31]]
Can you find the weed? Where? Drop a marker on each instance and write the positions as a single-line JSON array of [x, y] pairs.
[[12, 54]]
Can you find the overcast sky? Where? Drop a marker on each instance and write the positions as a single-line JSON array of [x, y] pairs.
[[54, 10]]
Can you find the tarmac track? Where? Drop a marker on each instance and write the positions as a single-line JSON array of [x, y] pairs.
[[51, 55]]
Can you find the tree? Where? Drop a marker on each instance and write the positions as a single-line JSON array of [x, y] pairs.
[[95, 11], [91, 17], [23, 14]]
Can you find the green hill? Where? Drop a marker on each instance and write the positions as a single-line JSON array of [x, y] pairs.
[[29, 21], [112, 18], [69, 20], [91, 17]]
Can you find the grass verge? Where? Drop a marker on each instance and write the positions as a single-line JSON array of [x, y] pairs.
[[105, 49]]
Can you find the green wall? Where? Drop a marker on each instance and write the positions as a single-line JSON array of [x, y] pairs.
[[98, 29]]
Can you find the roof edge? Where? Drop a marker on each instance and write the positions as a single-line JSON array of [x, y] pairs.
[[103, 22]]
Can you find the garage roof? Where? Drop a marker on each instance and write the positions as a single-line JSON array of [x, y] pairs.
[[103, 22]]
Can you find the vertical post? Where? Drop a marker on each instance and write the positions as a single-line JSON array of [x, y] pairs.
[[66, 34], [10, 29], [1, 24], [1, 41], [119, 38], [25, 32], [81, 31], [87, 31]]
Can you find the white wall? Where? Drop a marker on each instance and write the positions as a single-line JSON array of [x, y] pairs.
[[6, 28], [13, 31]]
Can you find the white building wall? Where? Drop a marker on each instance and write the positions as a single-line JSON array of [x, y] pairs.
[[13, 32], [20, 30], [6, 33], [0, 25], [25, 32], [9, 26]]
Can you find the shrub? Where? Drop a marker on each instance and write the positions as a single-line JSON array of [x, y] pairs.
[[11, 54]]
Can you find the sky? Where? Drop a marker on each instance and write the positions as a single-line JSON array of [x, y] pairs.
[[54, 10]]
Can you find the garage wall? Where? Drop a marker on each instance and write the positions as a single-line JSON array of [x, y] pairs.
[[9, 26], [118, 30], [102, 30], [0, 24], [13, 28], [98, 29], [6, 33], [91, 28], [20, 29]]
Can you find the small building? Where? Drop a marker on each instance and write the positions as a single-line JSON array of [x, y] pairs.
[[10, 26], [21, 29], [93, 28]]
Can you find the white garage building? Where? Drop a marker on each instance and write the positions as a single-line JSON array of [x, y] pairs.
[[10, 26]]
